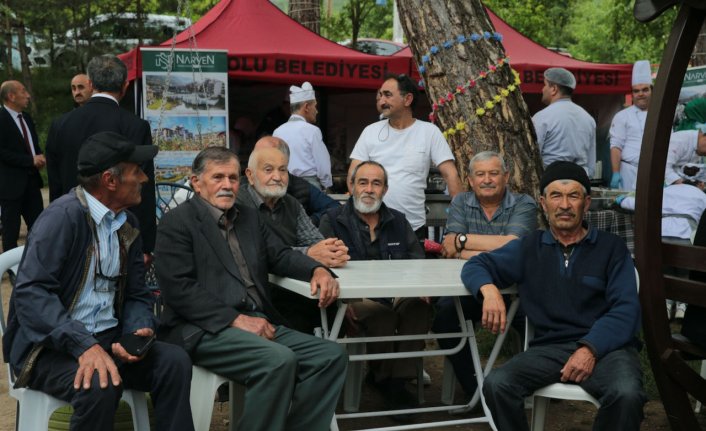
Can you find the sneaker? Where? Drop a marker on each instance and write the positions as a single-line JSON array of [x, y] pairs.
[[681, 309]]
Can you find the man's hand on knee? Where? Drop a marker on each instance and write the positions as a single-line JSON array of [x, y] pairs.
[[255, 325], [95, 359], [579, 367]]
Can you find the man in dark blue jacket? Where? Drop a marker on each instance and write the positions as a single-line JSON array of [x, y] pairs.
[[81, 287], [578, 288], [372, 231]]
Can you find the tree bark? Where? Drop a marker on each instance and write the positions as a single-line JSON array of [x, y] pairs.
[[698, 57], [505, 126], [306, 13]]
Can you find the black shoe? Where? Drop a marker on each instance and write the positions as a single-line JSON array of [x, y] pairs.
[[397, 397]]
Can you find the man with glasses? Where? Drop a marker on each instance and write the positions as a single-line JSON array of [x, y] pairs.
[[80, 289], [627, 128], [406, 147]]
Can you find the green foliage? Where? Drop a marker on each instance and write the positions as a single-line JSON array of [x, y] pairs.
[[602, 31], [359, 18]]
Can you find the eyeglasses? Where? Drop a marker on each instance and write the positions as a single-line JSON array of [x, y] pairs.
[[98, 270]]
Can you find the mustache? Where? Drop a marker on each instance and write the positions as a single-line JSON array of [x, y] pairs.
[[566, 213], [488, 186], [225, 194]]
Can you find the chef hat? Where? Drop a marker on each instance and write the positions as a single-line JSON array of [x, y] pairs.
[[560, 76], [641, 73], [301, 94]]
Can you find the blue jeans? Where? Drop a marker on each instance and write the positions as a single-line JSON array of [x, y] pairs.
[[616, 382]]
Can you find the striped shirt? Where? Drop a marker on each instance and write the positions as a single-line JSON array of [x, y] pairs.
[[517, 215], [94, 307]]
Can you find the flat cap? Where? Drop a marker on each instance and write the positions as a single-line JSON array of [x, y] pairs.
[[106, 149], [560, 76], [563, 170]]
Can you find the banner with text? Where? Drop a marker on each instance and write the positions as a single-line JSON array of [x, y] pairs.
[[186, 105]]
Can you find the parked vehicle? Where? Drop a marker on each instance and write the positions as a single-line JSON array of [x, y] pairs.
[[118, 33], [375, 46]]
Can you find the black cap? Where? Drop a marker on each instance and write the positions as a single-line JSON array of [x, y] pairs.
[[106, 149], [562, 170]]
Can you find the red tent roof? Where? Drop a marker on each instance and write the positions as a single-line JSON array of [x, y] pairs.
[[264, 44]]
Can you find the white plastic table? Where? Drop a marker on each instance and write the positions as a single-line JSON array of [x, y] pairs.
[[407, 278]]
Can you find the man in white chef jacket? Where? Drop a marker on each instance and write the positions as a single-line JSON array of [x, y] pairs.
[[309, 158], [627, 128]]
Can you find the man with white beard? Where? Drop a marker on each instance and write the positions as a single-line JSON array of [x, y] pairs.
[[266, 191], [373, 231]]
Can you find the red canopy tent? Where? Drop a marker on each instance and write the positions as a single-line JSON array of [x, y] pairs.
[[265, 45]]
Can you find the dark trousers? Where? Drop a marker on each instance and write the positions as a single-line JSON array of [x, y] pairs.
[[28, 206], [165, 372], [616, 383], [446, 320], [292, 382]]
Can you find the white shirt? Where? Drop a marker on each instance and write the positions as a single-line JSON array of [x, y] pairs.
[[626, 131], [682, 150], [309, 156], [682, 206], [565, 131], [14, 115], [407, 155]]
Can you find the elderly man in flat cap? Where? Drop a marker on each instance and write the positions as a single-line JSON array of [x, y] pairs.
[[81, 297], [309, 157], [626, 130], [578, 288], [565, 131]]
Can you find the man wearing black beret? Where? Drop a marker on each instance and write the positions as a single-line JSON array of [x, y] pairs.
[[578, 288], [81, 287]]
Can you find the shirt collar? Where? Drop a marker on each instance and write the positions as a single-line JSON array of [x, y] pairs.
[[591, 235], [106, 96], [219, 215], [100, 213], [257, 199], [12, 112], [508, 200]]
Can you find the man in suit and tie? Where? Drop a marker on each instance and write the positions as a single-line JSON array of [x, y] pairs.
[[213, 260], [102, 113], [20, 161]]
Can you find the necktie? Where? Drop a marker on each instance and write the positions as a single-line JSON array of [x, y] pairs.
[[25, 135]]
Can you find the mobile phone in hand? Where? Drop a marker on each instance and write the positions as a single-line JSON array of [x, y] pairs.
[[136, 345]]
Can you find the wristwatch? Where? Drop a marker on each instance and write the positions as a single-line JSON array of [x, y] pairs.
[[462, 238]]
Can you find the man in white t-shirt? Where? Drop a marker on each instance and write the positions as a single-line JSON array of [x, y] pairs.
[[406, 147]]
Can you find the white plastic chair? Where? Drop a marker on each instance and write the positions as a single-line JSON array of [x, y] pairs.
[[564, 391], [697, 407], [204, 385], [35, 407]]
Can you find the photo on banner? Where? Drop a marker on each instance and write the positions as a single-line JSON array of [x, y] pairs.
[[693, 87], [187, 107]]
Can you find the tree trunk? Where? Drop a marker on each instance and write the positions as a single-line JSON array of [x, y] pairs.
[[306, 13], [7, 32], [481, 106], [24, 60], [698, 57]]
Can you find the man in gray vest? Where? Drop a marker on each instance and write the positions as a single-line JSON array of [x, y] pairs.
[[266, 191]]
